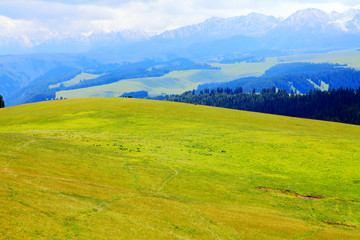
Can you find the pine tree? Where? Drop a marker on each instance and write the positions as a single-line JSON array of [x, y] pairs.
[[2, 103], [239, 90]]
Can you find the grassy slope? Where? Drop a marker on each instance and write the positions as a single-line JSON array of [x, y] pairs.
[[175, 82], [80, 77], [125, 168], [351, 57]]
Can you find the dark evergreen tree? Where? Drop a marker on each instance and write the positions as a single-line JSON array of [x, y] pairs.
[[2, 102], [239, 90]]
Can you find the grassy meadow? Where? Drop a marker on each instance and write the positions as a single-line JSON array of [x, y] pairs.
[[177, 82], [114, 168], [77, 79]]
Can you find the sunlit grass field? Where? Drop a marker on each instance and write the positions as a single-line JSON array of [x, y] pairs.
[[111, 168]]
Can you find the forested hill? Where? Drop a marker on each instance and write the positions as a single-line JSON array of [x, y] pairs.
[[341, 105], [300, 77], [57, 79]]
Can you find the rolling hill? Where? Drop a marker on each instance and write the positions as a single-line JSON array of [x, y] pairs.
[[110, 168]]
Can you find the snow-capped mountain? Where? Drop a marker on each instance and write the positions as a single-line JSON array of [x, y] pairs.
[[304, 29], [308, 20], [354, 24], [18, 36], [253, 24], [300, 30]]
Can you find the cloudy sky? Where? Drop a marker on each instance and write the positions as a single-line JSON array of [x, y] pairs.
[[85, 16]]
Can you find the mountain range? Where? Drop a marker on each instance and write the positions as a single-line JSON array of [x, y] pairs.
[[51, 57], [268, 31]]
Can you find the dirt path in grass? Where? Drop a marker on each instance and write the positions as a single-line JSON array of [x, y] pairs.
[[22, 146], [26, 144], [175, 173], [294, 194], [65, 180]]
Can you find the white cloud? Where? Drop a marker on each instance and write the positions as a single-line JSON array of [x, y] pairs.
[[83, 16]]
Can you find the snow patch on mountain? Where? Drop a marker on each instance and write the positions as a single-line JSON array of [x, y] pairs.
[[254, 24], [344, 20], [308, 20]]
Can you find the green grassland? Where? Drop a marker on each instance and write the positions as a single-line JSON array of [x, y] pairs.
[[113, 168], [177, 82], [351, 57], [77, 79]]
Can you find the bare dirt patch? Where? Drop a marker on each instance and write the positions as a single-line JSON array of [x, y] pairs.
[[288, 192], [341, 224], [308, 197], [297, 195]]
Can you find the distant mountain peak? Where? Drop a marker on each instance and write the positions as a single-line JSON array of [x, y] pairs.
[[354, 24], [308, 17], [347, 21], [253, 24]]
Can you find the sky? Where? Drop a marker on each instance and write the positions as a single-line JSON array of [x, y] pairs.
[[155, 16]]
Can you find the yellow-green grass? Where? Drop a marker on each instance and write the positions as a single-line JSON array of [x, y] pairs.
[[110, 168]]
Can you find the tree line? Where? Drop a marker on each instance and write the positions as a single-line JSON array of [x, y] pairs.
[[298, 76], [341, 105]]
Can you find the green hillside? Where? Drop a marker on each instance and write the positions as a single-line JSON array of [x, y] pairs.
[[105, 168], [76, 80]]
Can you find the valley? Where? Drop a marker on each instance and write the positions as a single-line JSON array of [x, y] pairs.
[[177, 82]]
